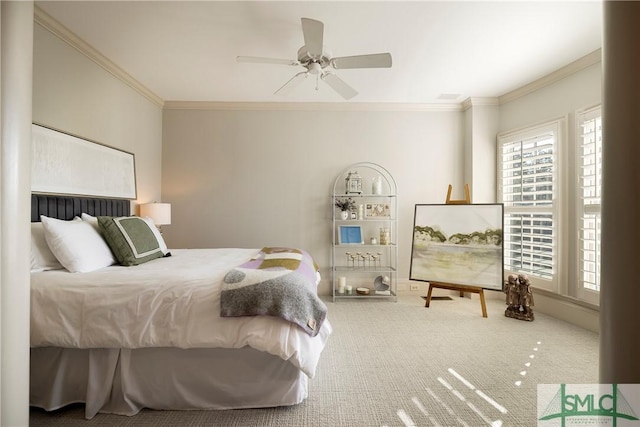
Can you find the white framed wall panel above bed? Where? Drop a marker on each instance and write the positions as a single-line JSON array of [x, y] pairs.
[[66, 164]]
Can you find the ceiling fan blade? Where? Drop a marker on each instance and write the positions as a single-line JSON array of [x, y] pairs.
[[292, 83], [337, 84], [313, 37], [375, 60], [261, 60]]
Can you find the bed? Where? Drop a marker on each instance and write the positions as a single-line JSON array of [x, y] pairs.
[[160, 334]]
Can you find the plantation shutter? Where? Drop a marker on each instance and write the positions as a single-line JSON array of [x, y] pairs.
[[526, 188], [590, 181]]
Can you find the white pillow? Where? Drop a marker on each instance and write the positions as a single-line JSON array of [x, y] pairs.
[[77, 245], [93, 220], [42, 258]]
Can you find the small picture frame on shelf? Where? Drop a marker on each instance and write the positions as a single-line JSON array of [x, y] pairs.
[[354, 215], [377, 210], [350, 235]]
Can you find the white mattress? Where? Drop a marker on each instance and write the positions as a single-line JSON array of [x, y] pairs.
[[167, 302]]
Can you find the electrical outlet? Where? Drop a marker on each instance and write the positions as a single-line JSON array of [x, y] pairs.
[[414, 287]]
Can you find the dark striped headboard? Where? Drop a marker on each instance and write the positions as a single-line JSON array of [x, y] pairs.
[[66, 207]]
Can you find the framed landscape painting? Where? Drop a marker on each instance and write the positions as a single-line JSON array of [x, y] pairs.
[[458, 244]]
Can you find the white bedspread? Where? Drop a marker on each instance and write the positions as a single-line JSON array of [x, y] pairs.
[[167, 302]]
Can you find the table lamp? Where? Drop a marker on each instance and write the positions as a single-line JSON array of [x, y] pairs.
[[160, 213]]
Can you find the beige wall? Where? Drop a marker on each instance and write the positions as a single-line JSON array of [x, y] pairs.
[[482, 150], [578, 90], [242, 178], [249, 178], [73, 94]]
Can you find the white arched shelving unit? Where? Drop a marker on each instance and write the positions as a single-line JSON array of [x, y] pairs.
[[364, 250]]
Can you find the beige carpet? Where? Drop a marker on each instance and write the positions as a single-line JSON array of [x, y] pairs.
[[400, 364]]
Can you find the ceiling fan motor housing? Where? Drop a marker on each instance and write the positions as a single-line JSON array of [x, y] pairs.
[[305, 58]]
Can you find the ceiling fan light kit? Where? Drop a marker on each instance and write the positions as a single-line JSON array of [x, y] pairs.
[[318, 62]]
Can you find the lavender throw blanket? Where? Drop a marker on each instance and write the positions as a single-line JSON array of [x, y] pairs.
[[277, 282]]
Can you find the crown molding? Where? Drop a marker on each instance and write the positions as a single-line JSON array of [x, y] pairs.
[[47, 22], [479, 102], [569, 69], [309, 106]]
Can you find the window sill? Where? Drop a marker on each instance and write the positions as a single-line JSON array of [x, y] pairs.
[[565, 298]]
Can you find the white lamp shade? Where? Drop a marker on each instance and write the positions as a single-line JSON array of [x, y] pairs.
[[160, 213]]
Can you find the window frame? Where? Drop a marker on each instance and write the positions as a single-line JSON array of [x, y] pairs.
[[558, 127], [578, 289]]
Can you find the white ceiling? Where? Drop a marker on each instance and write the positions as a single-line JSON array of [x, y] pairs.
[[186, 51]]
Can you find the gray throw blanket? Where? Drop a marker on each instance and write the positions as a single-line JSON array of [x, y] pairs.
[[277, 282]]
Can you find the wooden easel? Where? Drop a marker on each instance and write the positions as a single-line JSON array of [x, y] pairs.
[[451, 286], [465, 201]]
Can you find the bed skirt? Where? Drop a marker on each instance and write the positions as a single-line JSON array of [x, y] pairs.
[[124, 381]]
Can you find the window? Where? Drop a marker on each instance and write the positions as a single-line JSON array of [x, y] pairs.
[[550, 235], [589, 193], [527, 186]]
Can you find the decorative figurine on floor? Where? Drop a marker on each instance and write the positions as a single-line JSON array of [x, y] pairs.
[[511, 289], [519, 298]]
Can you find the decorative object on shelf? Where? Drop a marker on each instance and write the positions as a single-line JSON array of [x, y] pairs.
[[360, 211], [377, 210], [353, 183], [362, 258], [381, 285], [376, 185], [351, 259], [348, 290], [346, 205], [350, 235], [385, 236], [375, 260], [373, 241], [519, 298], [363, 291], [342, 284], [357, 260]]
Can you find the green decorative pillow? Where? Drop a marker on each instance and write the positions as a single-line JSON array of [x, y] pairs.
[[133, 240]]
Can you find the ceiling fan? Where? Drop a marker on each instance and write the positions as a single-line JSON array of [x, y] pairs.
[[318, 62]]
